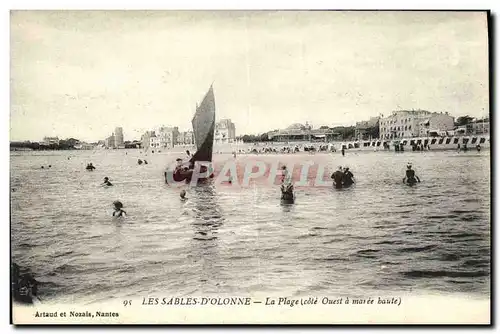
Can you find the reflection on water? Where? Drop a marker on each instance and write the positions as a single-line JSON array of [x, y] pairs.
[[208, 214], [377, 235]]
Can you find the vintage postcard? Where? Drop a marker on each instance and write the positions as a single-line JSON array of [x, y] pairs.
[[250, 167]]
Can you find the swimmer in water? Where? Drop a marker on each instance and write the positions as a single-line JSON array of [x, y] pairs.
[[106, 182], [411, 178], [90, 167], [183, 195], [284, 174], [118, 209], [337, 177], [348, 178]]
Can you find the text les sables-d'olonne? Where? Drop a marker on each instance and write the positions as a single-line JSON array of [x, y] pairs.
[[270, 301]]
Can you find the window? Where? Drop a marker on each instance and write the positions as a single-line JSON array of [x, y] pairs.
[[378, 144], [474, 140], [373, 144], [426, 142], [419, 141], [466, 140], [356, 145], [409, 127], [406, 127], [412, 142], [455, 141], [433, 141], [448, 140], [350, 146], [366, 144], [405, 141], [399, 128], [441, 141], [482, 140]]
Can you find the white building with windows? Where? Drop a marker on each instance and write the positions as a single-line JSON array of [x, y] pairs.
[[185, 138], [414, 123], [164, 137], [225, 131], [154, 141]]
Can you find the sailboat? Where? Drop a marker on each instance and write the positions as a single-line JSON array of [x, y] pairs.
[[203, 128]]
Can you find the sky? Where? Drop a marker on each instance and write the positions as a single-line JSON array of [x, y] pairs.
[[80, 74]]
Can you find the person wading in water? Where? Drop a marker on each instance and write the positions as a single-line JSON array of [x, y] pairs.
[[119, 212], [337, 177], [348, 178], [411, 178], [287, 186]]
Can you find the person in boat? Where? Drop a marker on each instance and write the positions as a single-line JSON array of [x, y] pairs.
[[90, 167], [337, 177], [180, 166], [183, 195], [106, 182], [411, 178], [145, 162], [119, 212], [139, 161], [347, 178], [181, 171]]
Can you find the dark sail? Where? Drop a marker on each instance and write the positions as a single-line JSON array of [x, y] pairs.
[[204, 128]]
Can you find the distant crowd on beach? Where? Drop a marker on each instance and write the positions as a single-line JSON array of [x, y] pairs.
[[286, 149]]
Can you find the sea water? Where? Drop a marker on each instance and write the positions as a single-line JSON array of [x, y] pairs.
[[378, 236]]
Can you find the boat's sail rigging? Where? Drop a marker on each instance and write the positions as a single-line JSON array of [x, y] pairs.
[[204, 127]]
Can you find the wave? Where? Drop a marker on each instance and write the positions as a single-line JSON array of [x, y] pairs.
[[443, 273]]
